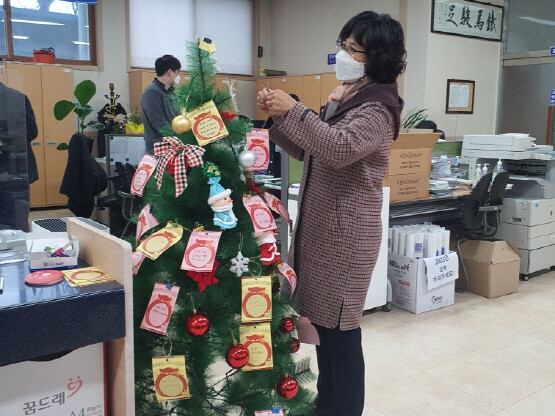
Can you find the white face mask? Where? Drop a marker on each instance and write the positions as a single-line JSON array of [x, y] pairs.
[[346, 68], [176, 80]]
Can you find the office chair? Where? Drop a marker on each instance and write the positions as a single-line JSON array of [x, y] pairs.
[[481, 213], [129, 201]]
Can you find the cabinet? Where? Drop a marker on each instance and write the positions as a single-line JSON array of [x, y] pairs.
[[44, 85]]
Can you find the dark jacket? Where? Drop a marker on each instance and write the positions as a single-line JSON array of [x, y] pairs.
[[157, 112], [12, 102], [84, 178]]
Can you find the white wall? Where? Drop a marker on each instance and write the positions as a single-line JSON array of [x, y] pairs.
[[434, 58], [303, 32]]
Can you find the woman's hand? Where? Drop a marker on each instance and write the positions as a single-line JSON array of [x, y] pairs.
[[279, 102], [262, 100]]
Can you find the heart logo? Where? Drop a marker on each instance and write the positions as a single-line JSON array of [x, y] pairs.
[[74, 386]]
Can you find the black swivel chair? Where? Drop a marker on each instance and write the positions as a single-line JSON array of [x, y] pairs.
[[481, 213]]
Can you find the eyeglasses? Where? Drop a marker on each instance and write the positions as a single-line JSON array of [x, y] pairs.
[[349, 49]]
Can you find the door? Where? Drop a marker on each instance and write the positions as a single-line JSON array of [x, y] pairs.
[[27, 79], [57, 82]]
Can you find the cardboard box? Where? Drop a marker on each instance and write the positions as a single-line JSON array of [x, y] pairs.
[[415, 290], [410, 161], [40, 259], [492, 267]]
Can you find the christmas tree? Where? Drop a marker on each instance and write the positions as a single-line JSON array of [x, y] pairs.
[[190, 319]]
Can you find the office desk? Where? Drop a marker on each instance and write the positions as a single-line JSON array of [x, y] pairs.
[[442, 211]]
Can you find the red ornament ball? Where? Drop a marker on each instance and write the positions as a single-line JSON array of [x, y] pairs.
[[197, 324], [294, 344], [237, 356], [286, 325], [287, 387]]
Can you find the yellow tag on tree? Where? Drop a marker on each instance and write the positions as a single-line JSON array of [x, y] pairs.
[[170, 378], [257, 339], [207, 125], [256, 299], [207, 45], [161, 240]]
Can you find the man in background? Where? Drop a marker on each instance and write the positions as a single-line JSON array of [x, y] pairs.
[[156, 106]]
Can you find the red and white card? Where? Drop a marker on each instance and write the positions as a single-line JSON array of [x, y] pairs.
[[258, 142], [160, 308], [277, 206], [200, 253], [288, 272], [145, 222], [260, 214], [143, 172], [136, 260]]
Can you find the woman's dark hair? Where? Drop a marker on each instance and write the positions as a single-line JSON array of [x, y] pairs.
[[383, 41], [166, 62]]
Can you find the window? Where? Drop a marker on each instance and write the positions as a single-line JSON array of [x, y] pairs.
[[531, 25], [229, 23], [66, 26]]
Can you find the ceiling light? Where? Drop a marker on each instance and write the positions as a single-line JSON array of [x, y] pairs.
[[37, 22], [20, 37], [77, 42], [539, 21]]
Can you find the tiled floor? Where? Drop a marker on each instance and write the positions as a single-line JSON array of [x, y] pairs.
[[478, 357]]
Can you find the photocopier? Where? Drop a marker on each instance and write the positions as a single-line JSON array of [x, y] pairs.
[[528, 215]]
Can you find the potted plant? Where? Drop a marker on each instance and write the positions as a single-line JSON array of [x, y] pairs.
[[84, 92]]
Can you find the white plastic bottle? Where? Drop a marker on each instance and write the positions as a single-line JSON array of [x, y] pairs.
[[498, 168], [485, 169], [478, 171]]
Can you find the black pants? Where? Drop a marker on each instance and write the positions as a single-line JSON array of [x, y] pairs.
[[341, 373]]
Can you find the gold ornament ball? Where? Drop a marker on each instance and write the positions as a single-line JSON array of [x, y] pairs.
[[181, 124]]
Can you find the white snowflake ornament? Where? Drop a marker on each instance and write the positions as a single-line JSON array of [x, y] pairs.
[[239, 265]]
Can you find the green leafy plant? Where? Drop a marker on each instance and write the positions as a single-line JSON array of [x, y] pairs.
[[414, 117], [134, 115], [84, 92]]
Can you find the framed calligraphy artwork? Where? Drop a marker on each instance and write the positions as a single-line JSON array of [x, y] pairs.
[[468, 18]]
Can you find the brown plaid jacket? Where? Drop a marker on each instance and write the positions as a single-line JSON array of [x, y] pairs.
[[337, 234]]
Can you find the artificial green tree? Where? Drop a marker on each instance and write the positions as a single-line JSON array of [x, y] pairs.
[[211, 393]]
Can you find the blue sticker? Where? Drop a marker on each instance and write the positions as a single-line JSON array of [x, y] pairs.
[[552, 97], [331, 59], [552, 50]]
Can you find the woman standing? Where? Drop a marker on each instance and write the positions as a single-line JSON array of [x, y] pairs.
[[338, 232]]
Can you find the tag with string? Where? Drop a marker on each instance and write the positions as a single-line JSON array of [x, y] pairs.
[[257, 339], [261, 217], [201, 250], [207, 45], [161, 240], [277, 206], [256, 299], [258, 142], [170, 377], [136, 261], [287, 271], [142, 174], [160, 308], [145, 222]]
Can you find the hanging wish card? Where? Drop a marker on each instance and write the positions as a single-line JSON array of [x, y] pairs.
[[145, 222], [258, 142], [136, 260], [256, 299], [170, 378], [160, 308], [161, 240], [287, 271], [261, 216], [207, 45], [143, 172], [206, 123], [257, 339], [201, 251], [277, 206]]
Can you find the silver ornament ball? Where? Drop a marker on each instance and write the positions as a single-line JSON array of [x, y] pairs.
[[247, 159]]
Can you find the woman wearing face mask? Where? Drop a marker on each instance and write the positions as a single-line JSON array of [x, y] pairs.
[[338, 231]]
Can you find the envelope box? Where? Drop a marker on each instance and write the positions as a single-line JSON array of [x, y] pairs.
[[416, 290], [492, 267], [40, 259]]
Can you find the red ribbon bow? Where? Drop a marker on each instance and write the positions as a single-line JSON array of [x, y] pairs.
[[182, 155]]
